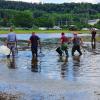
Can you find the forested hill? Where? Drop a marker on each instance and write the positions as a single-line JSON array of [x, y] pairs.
[[22, 14], [47, 7]]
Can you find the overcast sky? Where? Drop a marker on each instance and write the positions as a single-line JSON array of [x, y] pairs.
[[59, 1]]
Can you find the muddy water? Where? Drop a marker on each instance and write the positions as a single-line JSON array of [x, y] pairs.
[[43, 35], [52, 77], [51, 66]]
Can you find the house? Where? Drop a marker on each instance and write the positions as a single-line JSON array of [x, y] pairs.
[[85, 29], [92, 22], [57, 28], [42, 28]]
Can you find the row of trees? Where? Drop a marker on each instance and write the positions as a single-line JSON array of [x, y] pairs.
[[29, 15], [51, 8]]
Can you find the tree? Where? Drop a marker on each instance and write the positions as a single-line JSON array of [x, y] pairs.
[[23, 19]]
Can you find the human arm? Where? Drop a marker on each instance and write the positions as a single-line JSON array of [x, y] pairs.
[[81, 41], [71, 40], [39, 43], [16, 39], [29, 42]]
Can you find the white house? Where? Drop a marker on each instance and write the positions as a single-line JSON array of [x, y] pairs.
[[42, 28], [57, 28], [92, 22]]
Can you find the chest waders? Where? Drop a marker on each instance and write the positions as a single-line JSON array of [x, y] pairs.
[[76, 46]]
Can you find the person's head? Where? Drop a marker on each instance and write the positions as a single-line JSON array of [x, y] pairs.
[[11, 29], [33, 33], [94, 29], [62, 33], [75, 34]]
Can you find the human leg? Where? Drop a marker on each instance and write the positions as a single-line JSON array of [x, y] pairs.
[[79, 50], [59, 51], [66, 52], [12, 48], [9, 46], [73, 50], [33, 52], [36, 52], [94, 40]]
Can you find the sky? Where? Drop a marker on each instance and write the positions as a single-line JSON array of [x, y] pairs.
[[59, 1]]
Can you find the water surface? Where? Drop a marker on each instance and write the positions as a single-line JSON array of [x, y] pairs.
[[43, 35], [51, 77]]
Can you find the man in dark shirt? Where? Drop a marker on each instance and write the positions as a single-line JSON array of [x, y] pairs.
[[93, 38], [35, 41]]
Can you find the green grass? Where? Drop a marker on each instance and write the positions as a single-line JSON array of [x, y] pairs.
[[40, 31], [98, 39]]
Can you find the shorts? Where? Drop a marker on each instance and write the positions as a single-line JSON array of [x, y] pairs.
[[64, 46]]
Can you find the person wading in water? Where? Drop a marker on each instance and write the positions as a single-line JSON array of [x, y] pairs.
[[64, 45], [11, 42], [77, 42], [93, 38], [35, 42]]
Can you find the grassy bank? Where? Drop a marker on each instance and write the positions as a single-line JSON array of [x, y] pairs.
[[98, 39], [40, 31], [48, 31]]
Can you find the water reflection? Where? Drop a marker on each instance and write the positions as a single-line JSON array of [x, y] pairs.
[[63, 59], [70, 67], [93, 45], [76, 59], [11, 63], [50, 65], [76, 65], [34, 65], [64, 67]]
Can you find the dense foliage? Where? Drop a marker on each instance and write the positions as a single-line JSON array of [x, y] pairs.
[[22, 14]]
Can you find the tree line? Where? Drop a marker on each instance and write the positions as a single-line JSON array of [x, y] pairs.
[[22, 14]]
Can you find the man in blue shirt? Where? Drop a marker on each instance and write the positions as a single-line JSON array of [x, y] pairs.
[[11, 41]]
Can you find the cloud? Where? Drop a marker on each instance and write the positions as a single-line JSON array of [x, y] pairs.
[[76, 1], [59, 1], [89, 1]]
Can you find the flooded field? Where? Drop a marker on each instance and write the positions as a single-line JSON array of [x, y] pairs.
[[42, 35], [51, 77]]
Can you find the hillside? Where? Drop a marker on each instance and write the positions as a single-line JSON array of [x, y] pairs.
[[47, 15]]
